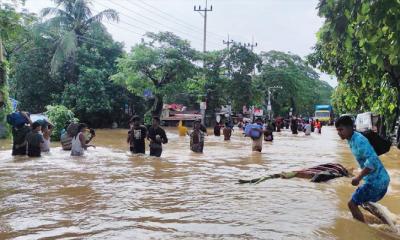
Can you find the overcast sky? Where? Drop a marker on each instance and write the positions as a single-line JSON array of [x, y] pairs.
[[284, 25]]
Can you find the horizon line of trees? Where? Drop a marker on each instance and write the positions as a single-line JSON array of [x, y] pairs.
[[66, 56]]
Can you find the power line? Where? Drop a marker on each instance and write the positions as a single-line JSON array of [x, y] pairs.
[[172, 18], [128, 9], [204, 11]]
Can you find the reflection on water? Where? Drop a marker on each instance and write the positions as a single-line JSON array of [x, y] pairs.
[[110, 194]]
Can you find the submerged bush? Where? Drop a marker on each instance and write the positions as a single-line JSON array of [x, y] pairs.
[[59, 115]]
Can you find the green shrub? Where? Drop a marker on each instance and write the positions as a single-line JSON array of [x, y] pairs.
[[59, 115]]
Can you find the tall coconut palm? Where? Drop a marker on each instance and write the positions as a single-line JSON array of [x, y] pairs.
[[72, 19]]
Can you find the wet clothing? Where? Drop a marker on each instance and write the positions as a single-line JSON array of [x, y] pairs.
[[45, 147], [257, 144], [318, 127], [217, 130], [268, 134], [19, 140], [156, 145], [367, 158], [66, 141], [294, 126], [137, 136], [368, 193], [77, 149], [319, 173], [227, 131], [377, 181], [34, 140], [307, 129], [197, 141]]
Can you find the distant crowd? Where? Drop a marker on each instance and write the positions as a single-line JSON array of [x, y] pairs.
[[33, 138]]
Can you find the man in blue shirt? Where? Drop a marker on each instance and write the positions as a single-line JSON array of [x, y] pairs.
[[376, 179]]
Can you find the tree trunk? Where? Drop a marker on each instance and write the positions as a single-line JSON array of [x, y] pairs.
[[158, 105]]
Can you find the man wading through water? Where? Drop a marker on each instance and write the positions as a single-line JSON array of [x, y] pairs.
[[374, 174], [136, 136], [157, 137]]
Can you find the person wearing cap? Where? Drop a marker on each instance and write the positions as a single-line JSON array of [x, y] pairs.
[[136, 136], [35, 140]]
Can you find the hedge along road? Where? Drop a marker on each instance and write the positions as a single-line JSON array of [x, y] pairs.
[[110, 194]]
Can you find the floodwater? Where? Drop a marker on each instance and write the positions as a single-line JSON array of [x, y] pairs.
[[111, 194]]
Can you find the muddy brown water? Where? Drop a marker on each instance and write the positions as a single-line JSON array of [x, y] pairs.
[[111, 194]]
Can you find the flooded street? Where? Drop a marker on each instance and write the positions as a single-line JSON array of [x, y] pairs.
[[110, 194]]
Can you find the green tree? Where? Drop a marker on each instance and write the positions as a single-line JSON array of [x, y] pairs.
[[164, 61], [359, 43], [94, 98], [72, 19], [302, 89], [13, 26], [241, 62]]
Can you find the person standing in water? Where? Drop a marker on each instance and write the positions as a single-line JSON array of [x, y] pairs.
[[307, 128], [157, 137], [182, 129], [136, 136], [217, 129], [227, 131], [35, 140], [318, 126], [269, 131], [79, 141], [47, 129], [258, 141], [197, 138], [294, 125], [376, 179], [19, 134]]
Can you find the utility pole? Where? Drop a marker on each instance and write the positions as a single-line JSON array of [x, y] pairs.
[[204, 15], [251, 45], [228, 43]]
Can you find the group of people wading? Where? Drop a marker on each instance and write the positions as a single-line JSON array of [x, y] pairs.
[[33, 138]]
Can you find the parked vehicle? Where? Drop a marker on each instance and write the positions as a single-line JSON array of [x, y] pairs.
[[324, 114]]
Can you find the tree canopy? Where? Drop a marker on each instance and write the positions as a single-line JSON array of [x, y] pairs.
[[359, 44], [155, 65], [301, 87]]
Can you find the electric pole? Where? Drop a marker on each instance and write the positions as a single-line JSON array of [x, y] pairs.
[[204, 15], [228, 43]]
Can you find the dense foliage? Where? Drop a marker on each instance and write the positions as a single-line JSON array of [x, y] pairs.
[[301, 87], [156, 65], [90, 94], [66, 57], [59, 116], [13, 34], [359, 43]]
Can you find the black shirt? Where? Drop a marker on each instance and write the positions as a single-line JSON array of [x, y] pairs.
[[137, 137], [153, 132], [34, 140]]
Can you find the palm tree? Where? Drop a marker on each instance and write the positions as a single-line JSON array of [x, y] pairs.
[[72, 19]]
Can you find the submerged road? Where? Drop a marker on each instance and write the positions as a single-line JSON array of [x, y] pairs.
[[110, 194]]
